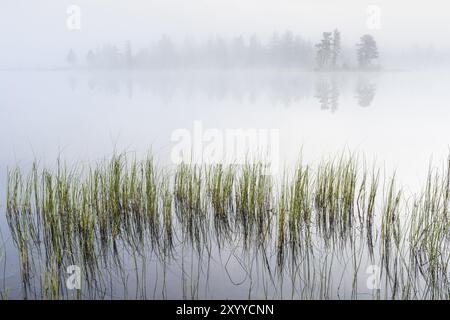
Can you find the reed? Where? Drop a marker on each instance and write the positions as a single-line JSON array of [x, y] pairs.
[[300, 210], [92, 214], [334, 197], [254, 203]]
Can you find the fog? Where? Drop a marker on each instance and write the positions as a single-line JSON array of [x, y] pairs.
[[35, 33], [81, 80]]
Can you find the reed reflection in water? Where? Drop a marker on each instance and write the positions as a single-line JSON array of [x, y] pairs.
[[336, 229]]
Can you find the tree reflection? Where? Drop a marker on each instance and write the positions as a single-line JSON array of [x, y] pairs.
[[365, 92], [327, 93]]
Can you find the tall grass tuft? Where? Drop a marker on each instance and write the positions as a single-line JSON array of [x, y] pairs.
[[333, 216]]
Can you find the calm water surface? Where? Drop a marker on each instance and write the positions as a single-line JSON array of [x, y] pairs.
[[398, 118]]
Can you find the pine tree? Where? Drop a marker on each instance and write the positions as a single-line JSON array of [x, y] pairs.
[[336, 47], [324, 51], [90, 58], [128, 54], [367, 51], [71, 58]]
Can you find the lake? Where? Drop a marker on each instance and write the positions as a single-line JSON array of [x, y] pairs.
[[396, 119]]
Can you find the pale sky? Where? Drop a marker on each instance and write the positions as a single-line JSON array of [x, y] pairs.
[[34, 32]]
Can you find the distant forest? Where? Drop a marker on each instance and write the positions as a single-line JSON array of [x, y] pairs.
[[287, 50]]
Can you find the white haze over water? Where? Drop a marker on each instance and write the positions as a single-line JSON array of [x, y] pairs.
[[398, 116], [85, 112], [34, 33]]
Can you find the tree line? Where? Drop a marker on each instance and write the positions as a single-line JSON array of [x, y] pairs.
[[287, 50], [329, 52]]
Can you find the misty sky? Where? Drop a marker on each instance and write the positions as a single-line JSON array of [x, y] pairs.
[[34, 32]]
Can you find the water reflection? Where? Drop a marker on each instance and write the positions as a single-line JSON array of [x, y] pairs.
[[207, 231], [73, 82], [286, 89], [327, 93], [365, 91]]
